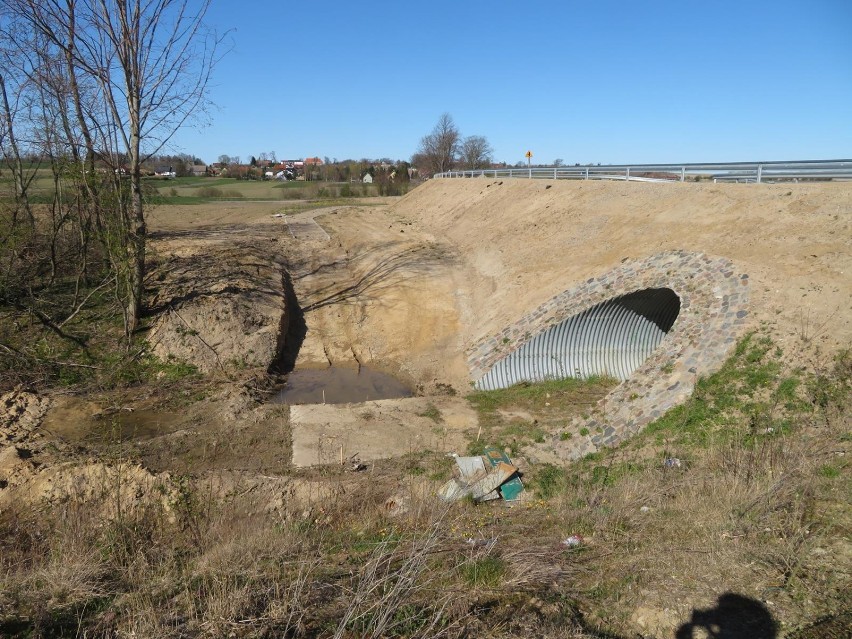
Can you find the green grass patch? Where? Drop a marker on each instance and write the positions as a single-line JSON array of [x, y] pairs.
[[548, 480], [747, 385], [485, 572], [829, 471], [528, 394], [432, 412], [527, 412]]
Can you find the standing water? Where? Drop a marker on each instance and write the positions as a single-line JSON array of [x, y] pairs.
[[339, 386]]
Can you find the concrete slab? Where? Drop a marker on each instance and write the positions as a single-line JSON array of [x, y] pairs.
[[322, 433]]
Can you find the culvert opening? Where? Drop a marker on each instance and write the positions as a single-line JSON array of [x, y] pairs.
[[612, 338]]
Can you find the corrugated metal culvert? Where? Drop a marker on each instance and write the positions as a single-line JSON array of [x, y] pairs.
[[612, 338]]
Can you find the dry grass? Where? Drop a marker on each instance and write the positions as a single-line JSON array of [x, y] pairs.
[[759, 512]]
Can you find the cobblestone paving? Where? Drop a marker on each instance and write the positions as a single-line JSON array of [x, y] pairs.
[[713, 311]]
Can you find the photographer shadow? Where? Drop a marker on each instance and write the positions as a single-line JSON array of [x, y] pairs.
[[734, 617]]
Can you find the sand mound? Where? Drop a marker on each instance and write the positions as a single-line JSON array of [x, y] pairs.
[[524, 241]]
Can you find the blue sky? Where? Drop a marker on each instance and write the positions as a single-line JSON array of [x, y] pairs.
[[591, 81]]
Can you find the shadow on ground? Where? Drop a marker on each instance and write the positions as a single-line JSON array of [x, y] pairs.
[[734, 617]]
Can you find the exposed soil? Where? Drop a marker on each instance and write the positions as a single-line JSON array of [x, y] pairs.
[[403, 289], [524, 241]]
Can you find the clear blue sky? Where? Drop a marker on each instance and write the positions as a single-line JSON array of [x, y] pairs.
[[605, 81]]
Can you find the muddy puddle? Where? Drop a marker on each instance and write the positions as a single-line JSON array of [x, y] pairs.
[[80, 421], [339, 386]]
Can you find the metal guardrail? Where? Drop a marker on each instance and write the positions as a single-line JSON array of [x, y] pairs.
[[755, 172]]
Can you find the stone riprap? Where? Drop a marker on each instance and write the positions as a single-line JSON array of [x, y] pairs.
[[713, 309]]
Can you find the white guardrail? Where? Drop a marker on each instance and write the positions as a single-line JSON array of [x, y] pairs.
[[755, 172]]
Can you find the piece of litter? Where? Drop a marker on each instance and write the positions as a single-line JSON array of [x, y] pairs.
[[453, 491], [481, 543], [512, 489], [397, 505], [499, 479], [644, 509], [498, 476], [572, 541], [672, 462], [277, 215], [354, 464], [471, 468]]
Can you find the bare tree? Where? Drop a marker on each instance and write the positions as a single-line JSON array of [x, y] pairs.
[[476, 152], [438, 150], [148, 62]]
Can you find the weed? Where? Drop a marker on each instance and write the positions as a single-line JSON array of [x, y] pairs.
[[829, 471], [432, 412], [484, 572], [549, 481]]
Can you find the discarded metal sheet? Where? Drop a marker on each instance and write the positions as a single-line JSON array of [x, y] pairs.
[[511, 490], [471, 467], [453, 491], [492, 481], [483, 482]]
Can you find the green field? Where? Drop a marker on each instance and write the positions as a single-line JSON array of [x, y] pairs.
[[199, 190]]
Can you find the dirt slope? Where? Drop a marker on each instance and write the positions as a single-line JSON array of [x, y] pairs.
[[523, 241]]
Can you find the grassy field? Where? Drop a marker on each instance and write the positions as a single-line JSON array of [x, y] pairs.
[[199, 190]]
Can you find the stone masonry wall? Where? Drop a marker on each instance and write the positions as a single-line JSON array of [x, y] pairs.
[[714, 305]]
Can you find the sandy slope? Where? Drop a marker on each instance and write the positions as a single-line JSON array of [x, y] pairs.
[[523, 241]]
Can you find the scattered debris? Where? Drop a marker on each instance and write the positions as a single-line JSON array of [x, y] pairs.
[[354, 464], [672, 462], [644, 509], [512, 489], [475, 479], [471, 468], [573, 541], [481, 543]]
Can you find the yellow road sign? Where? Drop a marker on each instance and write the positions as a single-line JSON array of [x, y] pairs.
[[529, 154]]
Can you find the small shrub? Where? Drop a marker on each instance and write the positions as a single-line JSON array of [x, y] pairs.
[[432, 413], [549, 481], [209, 191]]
